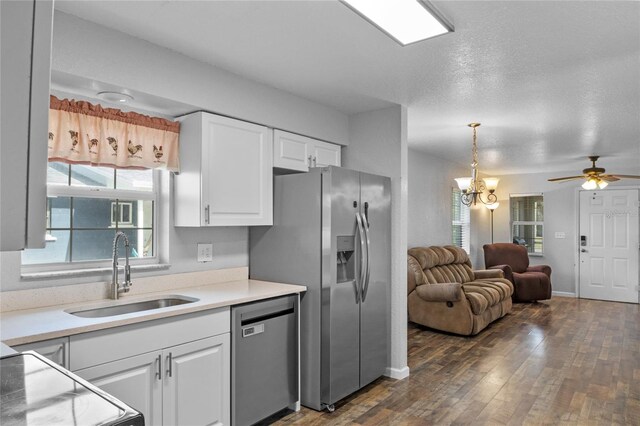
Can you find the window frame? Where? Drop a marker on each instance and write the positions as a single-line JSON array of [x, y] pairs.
[[464, 224], [533, 223], [60, 190]]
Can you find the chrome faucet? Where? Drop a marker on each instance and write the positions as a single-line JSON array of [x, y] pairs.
[[117, 288]]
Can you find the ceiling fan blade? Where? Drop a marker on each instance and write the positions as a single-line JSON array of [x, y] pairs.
[[560, 179], [626, 176], [609, 178]]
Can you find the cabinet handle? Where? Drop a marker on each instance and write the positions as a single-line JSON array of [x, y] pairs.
[[169, 363], [309, 160], [314, 161], [206, 214], [159, 372]]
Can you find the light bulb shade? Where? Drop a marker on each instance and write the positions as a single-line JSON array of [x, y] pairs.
[[602, 184], [491, 183], [463, 183], [493, 206], [590, 184]]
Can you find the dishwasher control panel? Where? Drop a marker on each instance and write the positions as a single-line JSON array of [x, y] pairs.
[[253, 330]]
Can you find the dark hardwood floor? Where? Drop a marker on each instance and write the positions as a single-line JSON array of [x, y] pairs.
[[563, 361]]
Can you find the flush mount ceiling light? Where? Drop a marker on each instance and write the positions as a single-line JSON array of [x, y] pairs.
[[406, 21], [115, 97], [472, 188]]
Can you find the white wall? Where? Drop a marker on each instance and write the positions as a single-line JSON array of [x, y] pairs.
[[378, 145], [560, 215], [93, 52], [430, 185]]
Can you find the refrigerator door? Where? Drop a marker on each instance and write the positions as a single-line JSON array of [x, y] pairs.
[[340, 300], [374, 310]]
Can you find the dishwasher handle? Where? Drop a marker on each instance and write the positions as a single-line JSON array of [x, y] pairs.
[[262, 315]]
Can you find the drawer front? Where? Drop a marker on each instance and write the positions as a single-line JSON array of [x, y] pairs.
[[56, 350], [103, 346]]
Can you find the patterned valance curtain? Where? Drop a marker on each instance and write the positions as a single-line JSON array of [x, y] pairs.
[[83, 133]]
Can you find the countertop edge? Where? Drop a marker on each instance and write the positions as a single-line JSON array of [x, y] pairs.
[[139, 317]]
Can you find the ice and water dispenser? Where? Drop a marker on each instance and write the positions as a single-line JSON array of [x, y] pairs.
[[346, 260]]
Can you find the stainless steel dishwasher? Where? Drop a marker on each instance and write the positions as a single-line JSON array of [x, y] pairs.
[[264, 358]]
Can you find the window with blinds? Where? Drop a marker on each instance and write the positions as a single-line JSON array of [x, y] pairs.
[[460, 222], [527, 221]]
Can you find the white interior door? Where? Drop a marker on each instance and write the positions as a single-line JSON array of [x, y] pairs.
[[609, 245]]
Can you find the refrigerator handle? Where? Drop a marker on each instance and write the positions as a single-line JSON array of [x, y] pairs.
[[365, 286], [360, 280]]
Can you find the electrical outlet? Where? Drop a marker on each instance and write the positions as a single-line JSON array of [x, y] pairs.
[[205, 252]]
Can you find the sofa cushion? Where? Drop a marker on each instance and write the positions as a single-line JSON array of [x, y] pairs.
[[428, 257], [444, 292], [478, 302], [531, 285], [503, 286], [459, 254], [510, 254]]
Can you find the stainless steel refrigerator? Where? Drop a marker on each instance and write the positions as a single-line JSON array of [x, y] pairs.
[[331, 233]]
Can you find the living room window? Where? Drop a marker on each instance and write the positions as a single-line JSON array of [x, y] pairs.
[[460, 222], [87, 205], [527, 221]]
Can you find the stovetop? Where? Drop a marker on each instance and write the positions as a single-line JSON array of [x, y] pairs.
[[35, 391]]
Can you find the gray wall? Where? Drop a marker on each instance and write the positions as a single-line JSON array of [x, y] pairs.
[[560, 215], [430, 185], [90, 51], [378, 145]]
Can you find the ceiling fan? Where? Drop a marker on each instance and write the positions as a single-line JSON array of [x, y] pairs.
[[594, 176]]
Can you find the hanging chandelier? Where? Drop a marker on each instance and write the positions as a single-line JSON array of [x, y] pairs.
[[472, 188]]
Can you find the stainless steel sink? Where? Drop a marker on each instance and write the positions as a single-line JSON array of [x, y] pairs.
[[127, 308]]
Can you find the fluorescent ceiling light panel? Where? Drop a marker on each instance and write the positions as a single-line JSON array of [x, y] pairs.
[[407, 21]]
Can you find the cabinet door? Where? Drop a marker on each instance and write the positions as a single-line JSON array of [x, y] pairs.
[[197, 383], [57, 350], [237, 181], [25, 41], [291, 151], [326, 154], [135, 381]]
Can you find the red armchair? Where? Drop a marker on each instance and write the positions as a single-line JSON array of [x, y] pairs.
[[530, 282]]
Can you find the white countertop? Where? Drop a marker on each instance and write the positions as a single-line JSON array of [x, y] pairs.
[[32, 325]]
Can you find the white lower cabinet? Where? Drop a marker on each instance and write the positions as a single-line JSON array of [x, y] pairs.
[[182, 385], [132, 380], [56, 350], [176, 371], [197, 379]]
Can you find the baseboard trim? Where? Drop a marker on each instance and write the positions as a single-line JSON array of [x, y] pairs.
[[564, 294], [397, 373]]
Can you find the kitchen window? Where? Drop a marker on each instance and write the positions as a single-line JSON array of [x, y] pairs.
[[87, 205], [527, 221], [460, 222]]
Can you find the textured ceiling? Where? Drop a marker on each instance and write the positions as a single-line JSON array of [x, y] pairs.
[[550, 81]]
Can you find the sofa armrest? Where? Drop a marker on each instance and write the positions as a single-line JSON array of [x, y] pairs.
[[441, 292], [546, 269], [488, 274], [506, 270]]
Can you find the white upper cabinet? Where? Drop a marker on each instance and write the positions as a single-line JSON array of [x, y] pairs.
[[25, 40], [295, 152], [225, 174]]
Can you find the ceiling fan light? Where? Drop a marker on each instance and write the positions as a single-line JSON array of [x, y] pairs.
[[491, 183], [590, 184], [602, 184], [463, 183]]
